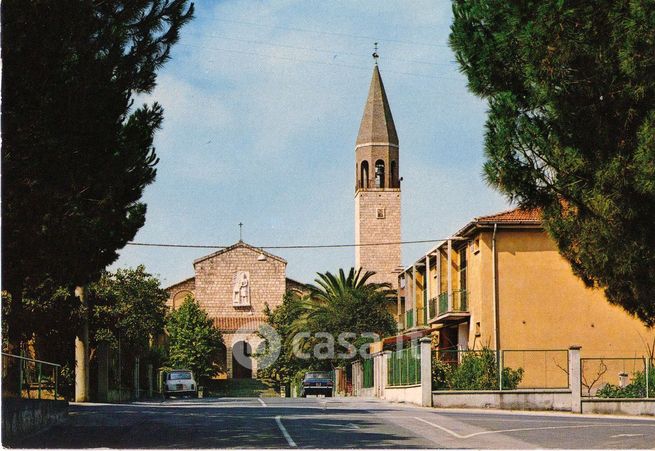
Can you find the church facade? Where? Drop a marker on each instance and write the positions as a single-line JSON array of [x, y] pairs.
[[233, 286]]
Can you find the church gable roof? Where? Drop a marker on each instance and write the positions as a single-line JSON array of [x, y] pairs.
[[184, 282], [240, 244], [377, 123]]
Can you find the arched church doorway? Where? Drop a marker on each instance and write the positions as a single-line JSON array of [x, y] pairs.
[[241, 360]]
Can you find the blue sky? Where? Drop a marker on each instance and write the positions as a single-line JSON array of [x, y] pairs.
[[262, 106]]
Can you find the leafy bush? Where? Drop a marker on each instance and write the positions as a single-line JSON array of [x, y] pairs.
[[298, 379], [441, 373], [635, 389], [193, 339], [476, 371]]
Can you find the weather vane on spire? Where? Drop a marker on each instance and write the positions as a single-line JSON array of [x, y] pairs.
[[375, 53]]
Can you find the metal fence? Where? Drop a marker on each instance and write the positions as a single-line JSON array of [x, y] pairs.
[[507, 369], [367, 372], [541, 368], [404, 367], [24, 377], [617, 377]]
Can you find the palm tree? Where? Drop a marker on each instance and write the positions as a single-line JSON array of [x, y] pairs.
[[344, 303], [331, 286]]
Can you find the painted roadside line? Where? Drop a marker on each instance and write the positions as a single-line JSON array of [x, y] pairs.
[[278, 420], [475, 434], [262, 402]]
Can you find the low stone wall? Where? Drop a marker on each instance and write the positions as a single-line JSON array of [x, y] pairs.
[[407, 393], [27, 416], [366, 392], [619, 406], [515, 399]]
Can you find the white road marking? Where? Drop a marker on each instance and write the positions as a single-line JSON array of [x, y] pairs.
[[626, 435], [278, 420], [345, 427], [453, 433], [475, 434], [262, 402]]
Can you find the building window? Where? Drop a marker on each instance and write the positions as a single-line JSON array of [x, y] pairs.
[[462, 269], [379, 213], [379, 174]]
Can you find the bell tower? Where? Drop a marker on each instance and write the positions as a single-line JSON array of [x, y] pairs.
[[377, 187]]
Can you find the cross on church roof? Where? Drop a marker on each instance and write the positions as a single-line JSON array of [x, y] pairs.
[[241, 231], [375, 53]]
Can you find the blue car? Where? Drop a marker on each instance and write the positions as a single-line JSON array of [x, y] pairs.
[[317, 383]]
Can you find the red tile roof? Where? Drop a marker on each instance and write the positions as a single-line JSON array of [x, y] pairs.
[[234, 323], [516, 215]]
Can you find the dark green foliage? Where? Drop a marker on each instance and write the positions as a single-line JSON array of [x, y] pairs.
[[76, 154], [635, 389], [193, 340], [441, 372], [571, 127], [287, 365], [477, 370], [346, 303], [129, 305]]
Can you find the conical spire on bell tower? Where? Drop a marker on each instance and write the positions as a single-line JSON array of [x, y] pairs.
[[377, 123]]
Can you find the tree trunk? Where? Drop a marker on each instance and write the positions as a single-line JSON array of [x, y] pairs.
[[82, 352]]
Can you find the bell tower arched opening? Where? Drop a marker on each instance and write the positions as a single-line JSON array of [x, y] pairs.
[[379, 174], [363, 175]]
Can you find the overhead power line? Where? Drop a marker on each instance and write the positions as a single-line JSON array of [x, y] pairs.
[[310, 49], [305, 61], [332, 33], [291, 246]]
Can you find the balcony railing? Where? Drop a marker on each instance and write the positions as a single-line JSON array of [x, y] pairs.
[[439, 305]]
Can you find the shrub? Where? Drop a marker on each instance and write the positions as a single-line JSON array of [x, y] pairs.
[[441, 373], [635, 389], [476, 371]]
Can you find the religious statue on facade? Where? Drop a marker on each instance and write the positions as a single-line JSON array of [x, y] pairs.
[[241, 289]]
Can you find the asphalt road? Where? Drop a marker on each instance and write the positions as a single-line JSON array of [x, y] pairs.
[[331, 423]]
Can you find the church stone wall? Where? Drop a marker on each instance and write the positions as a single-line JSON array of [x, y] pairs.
[[214, 282], [178, 292]]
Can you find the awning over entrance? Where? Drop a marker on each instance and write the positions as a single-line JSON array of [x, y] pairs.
[[390, 342]]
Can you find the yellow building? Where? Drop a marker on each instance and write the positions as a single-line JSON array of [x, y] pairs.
[[500, 283]]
